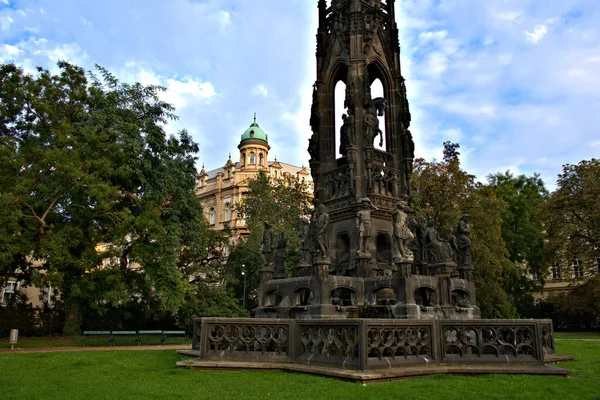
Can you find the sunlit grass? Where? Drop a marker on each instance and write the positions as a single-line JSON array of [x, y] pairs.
[[153, 375]]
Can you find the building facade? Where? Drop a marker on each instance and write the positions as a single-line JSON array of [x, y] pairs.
[[221, 190]]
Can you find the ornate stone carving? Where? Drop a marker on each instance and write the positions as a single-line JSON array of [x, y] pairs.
[[465, 261], [267, 245], [280, 257], [364, 224], [438, 249], [371, 122], [401, 234], [476, 342], [247, 339], [395, 342], [318, 227]]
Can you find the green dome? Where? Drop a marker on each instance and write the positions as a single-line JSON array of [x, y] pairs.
[[255, 133]]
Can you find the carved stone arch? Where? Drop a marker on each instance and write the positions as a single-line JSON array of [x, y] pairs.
[[303, 296], [343, 296], [382, 295], [377, 70], [427, 296], [337, 71]]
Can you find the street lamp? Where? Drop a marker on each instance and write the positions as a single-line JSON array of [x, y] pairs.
[[244, 275]]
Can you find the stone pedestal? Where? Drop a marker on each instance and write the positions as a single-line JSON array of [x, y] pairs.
[[403, 267], [305, 269], [266, 272], [363, 267]]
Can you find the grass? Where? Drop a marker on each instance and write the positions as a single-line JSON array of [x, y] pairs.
[[152, 375], [38, 342]]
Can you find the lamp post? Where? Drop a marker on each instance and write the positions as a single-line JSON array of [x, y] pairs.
[[244, 275]]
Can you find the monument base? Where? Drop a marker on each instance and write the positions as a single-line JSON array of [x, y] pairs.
[[372, 349]]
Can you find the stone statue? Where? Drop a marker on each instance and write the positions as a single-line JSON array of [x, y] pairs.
[[371, 122], [438, 250], [319, 222], [344, 142], [401, 233], [280, 256], [364, 224], [266, 246], [453, 244], [465, 262], [305, 243]]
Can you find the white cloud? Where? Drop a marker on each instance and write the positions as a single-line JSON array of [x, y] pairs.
[[224, 18], [66, 52], [5, 22], [595, 143], [260, 90], [509, 16], [431, 36], [181, 93], [9, 50], [5, 2], [538, 34], [436, 64]]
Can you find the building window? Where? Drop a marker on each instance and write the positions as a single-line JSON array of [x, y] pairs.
[[211, 216], [275, 173], [260, 159], [252, 160], [598, 264], [556, 271], [227, 212], [577, 269], [9, 291]]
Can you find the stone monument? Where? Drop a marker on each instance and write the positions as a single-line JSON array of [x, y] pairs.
[[377, 288]]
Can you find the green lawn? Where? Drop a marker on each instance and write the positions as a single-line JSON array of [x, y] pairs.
[[37, 342], [152, 375]]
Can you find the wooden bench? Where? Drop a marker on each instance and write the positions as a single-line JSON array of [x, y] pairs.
[[142, 334], [105, 334], [173, 335], [133, 334]]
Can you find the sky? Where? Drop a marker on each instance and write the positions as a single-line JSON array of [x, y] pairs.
[[515, 82]]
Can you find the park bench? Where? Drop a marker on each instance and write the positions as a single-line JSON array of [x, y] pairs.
[[129, 334], [158, 334], [173, 335], [89, 335]]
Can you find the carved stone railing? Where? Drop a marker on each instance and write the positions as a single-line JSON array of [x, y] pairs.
[[399, 343], [547, 337], [491, 341], [364, 344], [329, 342], [224, 338]]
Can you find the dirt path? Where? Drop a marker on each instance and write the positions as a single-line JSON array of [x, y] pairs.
[[93, 348]]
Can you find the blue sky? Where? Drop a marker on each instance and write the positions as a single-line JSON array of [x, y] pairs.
[[515, 82]]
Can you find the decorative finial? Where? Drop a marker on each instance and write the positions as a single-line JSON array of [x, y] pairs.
[[230, 155], [254, 117]]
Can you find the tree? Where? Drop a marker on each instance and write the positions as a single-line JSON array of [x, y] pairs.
[[572, 216], [282, 202], [523, 231], [95, 198], [443, 191], [579, 306]]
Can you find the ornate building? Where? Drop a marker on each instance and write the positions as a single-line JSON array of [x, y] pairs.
[[221, 189]]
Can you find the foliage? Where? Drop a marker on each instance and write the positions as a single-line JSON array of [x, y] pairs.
[[92, 188], [443, 191], [282, 202], [572, 216], [579, 306], [523, 231]]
